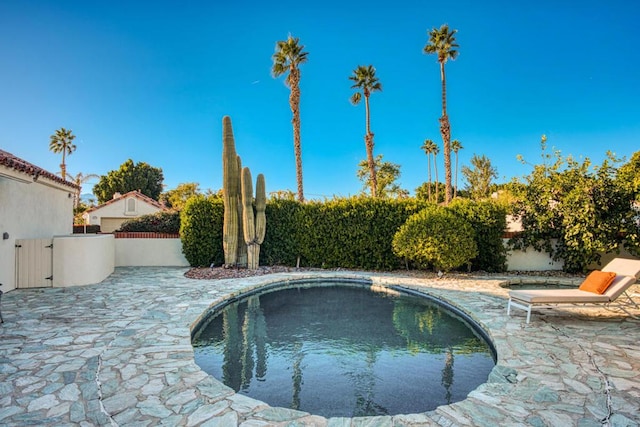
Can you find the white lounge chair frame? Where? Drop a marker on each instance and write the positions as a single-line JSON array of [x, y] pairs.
[[627, 272]]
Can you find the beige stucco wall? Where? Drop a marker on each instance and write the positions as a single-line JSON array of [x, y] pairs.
[[117, 209], [82, 259], [30, 210], [150, 252], [530, 260]]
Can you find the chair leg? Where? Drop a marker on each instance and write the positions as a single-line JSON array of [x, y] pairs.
[[1, 319]]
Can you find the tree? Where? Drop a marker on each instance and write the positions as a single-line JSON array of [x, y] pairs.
[[177, 198], [629, 175], [365, 79], [575, 211], [388, 174], [430, 148], [442, 42], [80, 179], [62, 142], [140, 176], [455, 147], [422, 192], [479, 176], [288, 57]]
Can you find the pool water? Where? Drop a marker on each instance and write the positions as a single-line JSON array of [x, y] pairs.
[[343, 351]]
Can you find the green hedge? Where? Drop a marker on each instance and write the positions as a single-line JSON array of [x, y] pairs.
[[159, 222], [354, 233], [201, 231], [489, 221]]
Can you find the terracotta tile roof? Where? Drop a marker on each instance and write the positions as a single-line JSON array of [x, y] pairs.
[[20, 165], [138, 195]]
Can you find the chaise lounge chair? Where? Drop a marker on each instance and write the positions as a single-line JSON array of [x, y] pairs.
[[627, 271]]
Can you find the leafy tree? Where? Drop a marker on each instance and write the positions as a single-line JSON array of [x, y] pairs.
[[422, 192], [629, 175], [442, 42], [436, 236], [455, 147], [479, 176], [430, 148], [365, 79], [575, 211], [62, 142], [388, 174], [177, 197], [140, 176], [288, 57]]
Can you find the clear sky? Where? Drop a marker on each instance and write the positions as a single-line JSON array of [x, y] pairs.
[[151, 81]]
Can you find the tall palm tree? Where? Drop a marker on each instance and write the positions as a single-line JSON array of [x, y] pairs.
[[429, 147], [442, 42], [455, 147], [80, 179], [288, 57], [62, 142], [364, 78], [436, 150]]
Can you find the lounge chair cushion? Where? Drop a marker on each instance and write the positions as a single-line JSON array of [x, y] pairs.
[[597, 281], [557, 296]]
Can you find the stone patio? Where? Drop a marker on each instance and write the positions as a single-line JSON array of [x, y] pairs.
[[118, 353]]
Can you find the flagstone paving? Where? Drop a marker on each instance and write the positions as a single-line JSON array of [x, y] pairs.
[[118, 353]]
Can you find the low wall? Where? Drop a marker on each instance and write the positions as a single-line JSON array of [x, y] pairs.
[[530, 260], [147, 252], [82, 259]]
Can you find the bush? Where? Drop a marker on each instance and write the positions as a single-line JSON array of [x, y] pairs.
[[201, 231], [489, 222], [280, 245], [436, 236], [159, 222]]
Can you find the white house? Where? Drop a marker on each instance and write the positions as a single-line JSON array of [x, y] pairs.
[[112, 214], [34, 204]]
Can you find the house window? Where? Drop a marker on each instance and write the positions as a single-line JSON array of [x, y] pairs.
[[131, 205]]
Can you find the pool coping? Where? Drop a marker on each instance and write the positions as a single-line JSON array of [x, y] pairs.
[[138, 366]]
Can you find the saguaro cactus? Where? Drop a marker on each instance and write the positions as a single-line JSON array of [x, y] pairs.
[[254, 225], [241, 260], [230, 183]]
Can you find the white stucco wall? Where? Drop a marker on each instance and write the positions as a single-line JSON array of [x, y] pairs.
[[30, 210], [117, 209], [531, 260], [150, 252], [82, 259]]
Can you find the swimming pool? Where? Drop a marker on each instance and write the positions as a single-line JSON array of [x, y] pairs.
[[343, 349]]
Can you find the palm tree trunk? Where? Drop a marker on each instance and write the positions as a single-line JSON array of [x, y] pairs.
[[63, 166], [294, 103], [445, 130], [435, 167], [429, 169], [455, 189], [368, 141]]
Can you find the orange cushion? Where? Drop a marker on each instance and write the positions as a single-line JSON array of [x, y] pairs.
[[597, 281]]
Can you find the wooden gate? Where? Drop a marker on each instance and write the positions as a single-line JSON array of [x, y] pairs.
[[34, 263]]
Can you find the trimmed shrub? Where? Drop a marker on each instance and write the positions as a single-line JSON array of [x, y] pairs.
[[436, 236], [352, 233], [201, 231], [280, 245], [489, 222], [159, 222]]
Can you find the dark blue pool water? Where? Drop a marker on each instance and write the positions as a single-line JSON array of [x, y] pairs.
[[343, 351]]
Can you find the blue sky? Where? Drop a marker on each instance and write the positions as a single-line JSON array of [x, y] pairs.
[[151, 81]]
